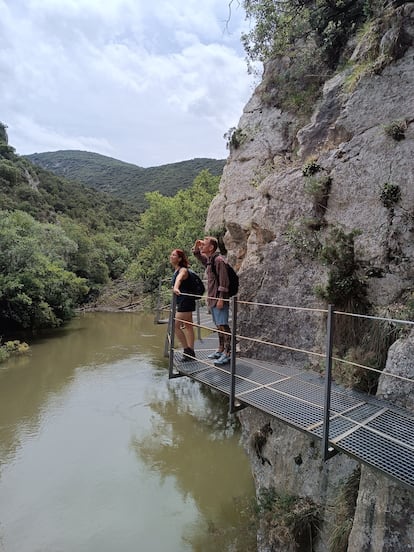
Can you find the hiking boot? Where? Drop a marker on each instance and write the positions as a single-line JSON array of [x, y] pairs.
[[223, 359], [215, 355], [188, 355]]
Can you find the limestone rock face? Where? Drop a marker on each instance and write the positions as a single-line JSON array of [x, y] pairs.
[[3, 134], [384, 516], [291, 463], [264, 206], [262, 192]]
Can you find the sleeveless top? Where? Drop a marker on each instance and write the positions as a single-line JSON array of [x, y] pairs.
[[184, 302]]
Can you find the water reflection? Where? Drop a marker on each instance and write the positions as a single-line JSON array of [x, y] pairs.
[[176, 445], [29, 382], [95, 442]]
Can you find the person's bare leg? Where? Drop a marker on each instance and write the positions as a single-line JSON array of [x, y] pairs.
[[186, 318], [221, 340], [226, 339], [179, 332]]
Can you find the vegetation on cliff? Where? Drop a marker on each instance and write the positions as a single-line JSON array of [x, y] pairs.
[[310, 39]]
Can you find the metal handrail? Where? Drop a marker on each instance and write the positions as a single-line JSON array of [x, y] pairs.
[[309, 352], [327, 449]]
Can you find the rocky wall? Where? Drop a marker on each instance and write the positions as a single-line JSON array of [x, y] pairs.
[[273, 227]]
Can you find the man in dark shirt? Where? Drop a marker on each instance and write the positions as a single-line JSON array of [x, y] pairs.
[[205, 251]]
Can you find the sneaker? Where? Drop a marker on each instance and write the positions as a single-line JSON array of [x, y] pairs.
[[188, 355], [217, 354], [223, 359]]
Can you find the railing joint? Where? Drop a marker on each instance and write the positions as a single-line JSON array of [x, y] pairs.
[[237, 406], [330, 453]]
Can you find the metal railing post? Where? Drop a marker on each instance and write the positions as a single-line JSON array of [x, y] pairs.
[[198, 319], [327, 451], [158, 309], [233, 354], [167, 335], [171, 329]]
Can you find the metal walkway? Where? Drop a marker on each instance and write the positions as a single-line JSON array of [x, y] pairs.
[[370, 430]]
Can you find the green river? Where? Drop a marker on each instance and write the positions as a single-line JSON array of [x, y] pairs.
[[100, 452]]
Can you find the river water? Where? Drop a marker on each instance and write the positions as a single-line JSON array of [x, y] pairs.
[[100, 452]]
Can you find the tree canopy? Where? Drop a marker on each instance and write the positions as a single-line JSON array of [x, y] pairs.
[[309, 37], [61, 242], [36, 289], [169, 223]]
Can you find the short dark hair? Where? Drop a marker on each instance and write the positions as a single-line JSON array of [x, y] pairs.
[[213, 241]]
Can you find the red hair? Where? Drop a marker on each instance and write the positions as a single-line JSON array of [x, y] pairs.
[[183, 258]]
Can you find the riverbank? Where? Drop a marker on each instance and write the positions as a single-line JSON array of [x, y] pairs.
[[119, 295]]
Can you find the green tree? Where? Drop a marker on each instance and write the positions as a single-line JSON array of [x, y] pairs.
[[86, 261], [36, 289], [281, 25], [168, 223]]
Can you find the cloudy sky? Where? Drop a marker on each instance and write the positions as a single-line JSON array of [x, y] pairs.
[[145, 81]]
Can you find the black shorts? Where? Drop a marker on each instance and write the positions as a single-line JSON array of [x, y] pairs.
[[185, 304]]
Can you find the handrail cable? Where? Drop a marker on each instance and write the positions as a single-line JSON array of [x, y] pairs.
[[291, 307], [262, 342], [303, 351], [255, 340], [383, 319], [258, 304], [373, 369], [287, 307]]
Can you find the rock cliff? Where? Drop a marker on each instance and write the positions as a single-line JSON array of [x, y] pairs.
[[324, 212]]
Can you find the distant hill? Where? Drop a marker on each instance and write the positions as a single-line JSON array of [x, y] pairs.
[[124, 180]]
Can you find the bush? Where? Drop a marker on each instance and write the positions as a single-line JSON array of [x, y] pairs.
[[235, 138], [311, 167], [8, 171], [345, 510], [288, 520], [396, 129], [319, 188], [304, 239], [390, 194], [14, 347], [344, 287]]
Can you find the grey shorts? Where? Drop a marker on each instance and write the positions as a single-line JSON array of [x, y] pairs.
[[220, 316]]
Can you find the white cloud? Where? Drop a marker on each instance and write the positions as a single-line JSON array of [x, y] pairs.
[[148, 83]]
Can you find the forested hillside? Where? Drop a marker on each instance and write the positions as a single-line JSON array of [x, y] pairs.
[[61, 243], [124, 180]]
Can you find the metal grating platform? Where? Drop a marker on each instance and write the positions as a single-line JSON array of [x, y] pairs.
[[370, 430]]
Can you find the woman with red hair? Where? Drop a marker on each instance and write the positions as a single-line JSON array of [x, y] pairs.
[[184, 329]]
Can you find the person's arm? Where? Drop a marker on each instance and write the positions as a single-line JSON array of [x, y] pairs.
[[223, 282], [182, 275], [198, 255]]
